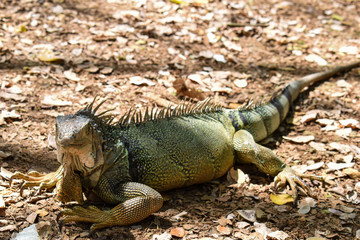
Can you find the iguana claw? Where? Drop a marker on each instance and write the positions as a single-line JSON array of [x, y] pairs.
[[294, 179], [92, 214], [32, 179]]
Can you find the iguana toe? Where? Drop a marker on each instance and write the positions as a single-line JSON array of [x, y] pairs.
[[294, 179], [92, 214], [33, 179]]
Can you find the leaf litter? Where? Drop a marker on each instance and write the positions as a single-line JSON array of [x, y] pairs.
[[55, 55]]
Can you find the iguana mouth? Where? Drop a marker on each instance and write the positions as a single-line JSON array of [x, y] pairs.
[[82, 167]]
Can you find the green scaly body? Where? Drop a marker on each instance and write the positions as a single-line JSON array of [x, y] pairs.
[[127, 163]]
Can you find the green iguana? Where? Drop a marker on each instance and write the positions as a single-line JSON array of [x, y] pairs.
[[129, 162]]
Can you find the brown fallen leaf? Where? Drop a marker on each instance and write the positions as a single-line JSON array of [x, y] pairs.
[[224, 221], [42, 212], [178, 232], [10, 228], [32, 217], [224, 229], [351, 172]]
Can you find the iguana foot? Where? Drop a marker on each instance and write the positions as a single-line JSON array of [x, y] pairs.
[[92, 214], [33, 178], [290, 176]]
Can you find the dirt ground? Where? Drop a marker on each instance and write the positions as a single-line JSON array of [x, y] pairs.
[[55, 56]]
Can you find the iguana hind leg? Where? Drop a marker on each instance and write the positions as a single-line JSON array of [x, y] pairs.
[[33, 179], [137, 202], [248, 151]]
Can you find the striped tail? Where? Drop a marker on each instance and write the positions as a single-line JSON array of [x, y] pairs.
[[263, 120]]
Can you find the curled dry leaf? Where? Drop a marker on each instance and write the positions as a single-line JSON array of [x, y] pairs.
[[238, 176], [42, 212], [249, 215], [350, 123], [137, 80], [325, 122], [281, 199], [351, 172], [308, 117], [10, 115]]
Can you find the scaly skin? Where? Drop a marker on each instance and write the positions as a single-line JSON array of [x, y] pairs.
[[126, 164]]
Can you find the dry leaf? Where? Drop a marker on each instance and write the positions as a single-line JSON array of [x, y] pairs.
[[5, 173], [351, 123], [10, 227], [224, 229], [53, 101], [277, 235], [249, 215], [318, 146], [308, 117], [315, 166], [240, 83], [316, 58], [178, 232], [343, 148], [106, 70], [338, 166], [48, 55], [350, 50], [10, 115], [325, 122], [300, 139], [281, 199], [237, 175], [351, 172], [69, 74], [137, 80], [219, 58], [32, 217], [42, 212], [224, 221], [344, 132]]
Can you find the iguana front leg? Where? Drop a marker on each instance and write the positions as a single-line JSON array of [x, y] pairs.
[[248, 151], [136, 202], [33, 178]]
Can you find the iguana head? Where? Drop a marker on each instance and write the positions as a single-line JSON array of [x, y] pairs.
[[79, 146]]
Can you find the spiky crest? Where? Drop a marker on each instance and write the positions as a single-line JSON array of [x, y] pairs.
[[134, 116]]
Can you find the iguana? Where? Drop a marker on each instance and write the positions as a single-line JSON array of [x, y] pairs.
[[127, 163]]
